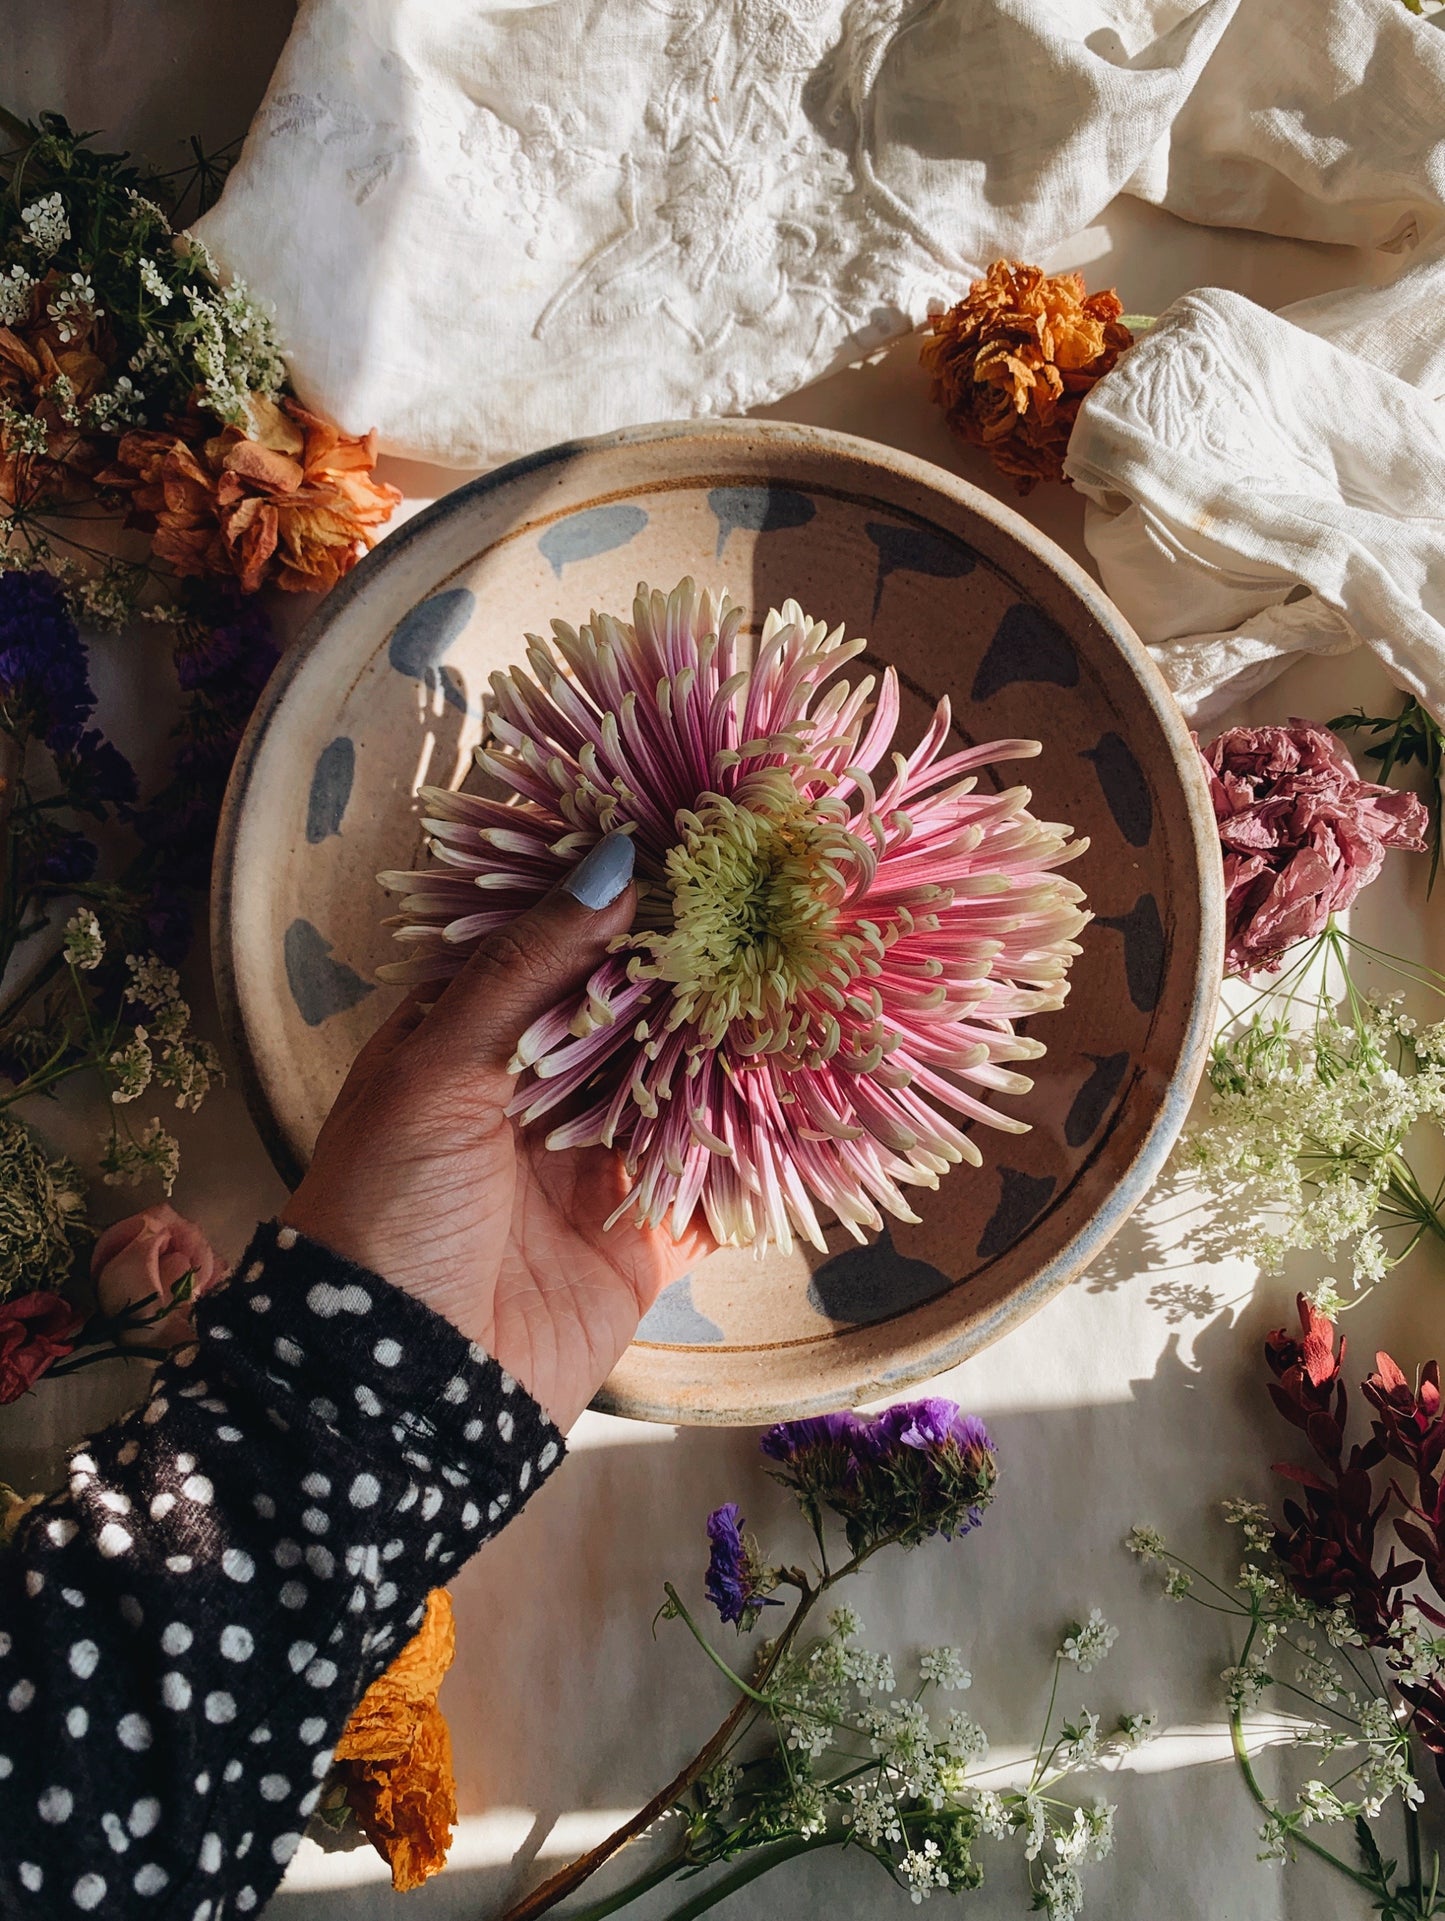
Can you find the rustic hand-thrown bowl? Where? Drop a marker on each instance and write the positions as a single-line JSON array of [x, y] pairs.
[[383, 693]]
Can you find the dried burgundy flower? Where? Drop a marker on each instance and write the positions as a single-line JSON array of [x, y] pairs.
[[1301, 834], [36, 1331]]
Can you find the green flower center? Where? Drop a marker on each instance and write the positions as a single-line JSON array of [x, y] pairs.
[[757, 884]]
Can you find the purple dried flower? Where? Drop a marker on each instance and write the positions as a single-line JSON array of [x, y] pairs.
[[44, 687], [68, 858], [97, 775], [794, 1441], [737, 1582], [927, 1426]]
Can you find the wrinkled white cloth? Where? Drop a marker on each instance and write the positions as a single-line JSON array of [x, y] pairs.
[[1265, 485], [486, 226]]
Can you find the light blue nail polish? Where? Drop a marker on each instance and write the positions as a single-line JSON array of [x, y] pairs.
[[602, 874]]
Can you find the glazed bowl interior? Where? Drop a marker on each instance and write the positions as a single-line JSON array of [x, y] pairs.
[[384, 694]]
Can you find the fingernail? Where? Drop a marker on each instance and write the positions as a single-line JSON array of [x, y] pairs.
[[600, 876]]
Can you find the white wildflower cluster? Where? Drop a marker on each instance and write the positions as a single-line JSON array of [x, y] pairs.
[[129, 1069], [233, 345], [1254, 1522], [153, 282], [16, 287], [115, 407], [129, 1160], [860, 1750], [84, 942], [944, 1667], [1302, 1144], [107, 599], [921, 1871], [1245, 1684], [1087, 1643], [72, 307], [24, 434], [1418, 1655], [1135, 1730], [46, 223], [186, 1066]]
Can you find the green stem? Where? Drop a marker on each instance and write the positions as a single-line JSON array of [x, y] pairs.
[[632, 1891], [1039, 1763], [1241, 1755], [757, 1864], [711, 1652]]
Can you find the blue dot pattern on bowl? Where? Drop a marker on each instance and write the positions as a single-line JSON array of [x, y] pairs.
[[673, 1320], [869, 1283], [1091, 1103], [1027, 645], [756, 510], [596, 530], [331, 784], [1143, 933], [1023, 1197], [422, 638], [320, 985], [917, 550], [1122, 782]]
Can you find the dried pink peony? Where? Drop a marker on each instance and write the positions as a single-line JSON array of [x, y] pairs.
[[1301, 833], [832, 941]]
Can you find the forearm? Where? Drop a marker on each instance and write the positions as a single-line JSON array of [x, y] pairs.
[[184, 1633]]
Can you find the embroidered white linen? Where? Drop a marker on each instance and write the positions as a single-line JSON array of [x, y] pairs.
[[487, 226], [1265, 485]]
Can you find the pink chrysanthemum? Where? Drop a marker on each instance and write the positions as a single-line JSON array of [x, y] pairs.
[[832, 942]]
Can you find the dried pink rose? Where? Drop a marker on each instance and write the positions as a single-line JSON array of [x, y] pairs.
[[139, 1262], [1301, 834]]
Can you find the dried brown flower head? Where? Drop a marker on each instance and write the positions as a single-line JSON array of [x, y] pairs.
[[49, 371], [1012, 361], [395, 1756], [292, 503]]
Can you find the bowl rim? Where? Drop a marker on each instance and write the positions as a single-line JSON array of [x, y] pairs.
[[1198, 1028]]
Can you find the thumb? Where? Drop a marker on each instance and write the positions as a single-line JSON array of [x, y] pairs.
[[521, 970]]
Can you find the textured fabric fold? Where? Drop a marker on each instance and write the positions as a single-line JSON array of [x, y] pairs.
[[486, 227], [1259, 490]]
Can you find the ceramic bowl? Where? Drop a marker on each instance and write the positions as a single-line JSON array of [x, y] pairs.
[[383, 693]]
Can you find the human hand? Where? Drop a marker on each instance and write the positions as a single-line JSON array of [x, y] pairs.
[[420, 1175]]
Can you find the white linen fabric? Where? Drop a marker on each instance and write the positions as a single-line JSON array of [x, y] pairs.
[[485, 226], [1265, 485]]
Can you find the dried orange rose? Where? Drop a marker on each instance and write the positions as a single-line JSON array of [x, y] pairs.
[[50, 376], [395, 1757], [1013, 360], [293, 502]]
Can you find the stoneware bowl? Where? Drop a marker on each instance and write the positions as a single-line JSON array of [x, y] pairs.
[[383, 693]]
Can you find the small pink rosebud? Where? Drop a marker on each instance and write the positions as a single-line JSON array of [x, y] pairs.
[[139, 1262]]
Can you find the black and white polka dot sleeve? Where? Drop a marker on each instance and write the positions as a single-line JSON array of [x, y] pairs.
[[184, 1633]]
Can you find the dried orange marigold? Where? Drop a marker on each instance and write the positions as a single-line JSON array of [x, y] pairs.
[[1012, 361], [395, 1756], [293, 502]]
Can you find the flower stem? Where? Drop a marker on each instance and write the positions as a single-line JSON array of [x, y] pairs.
[[712, 1654], [633, 1891], [760, 1862]]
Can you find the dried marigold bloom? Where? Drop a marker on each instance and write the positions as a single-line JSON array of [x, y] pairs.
[[395, 1756], [1012, 361], [293, 503], [48, 376]]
